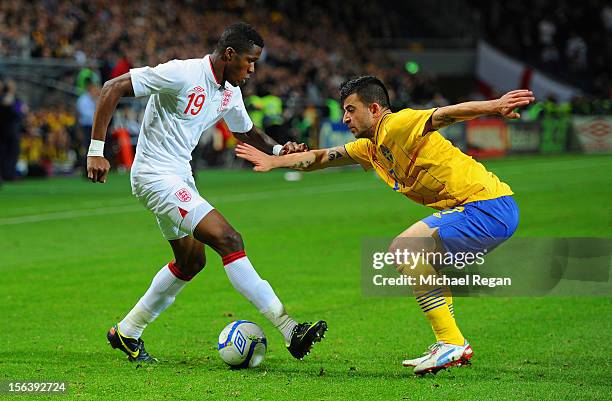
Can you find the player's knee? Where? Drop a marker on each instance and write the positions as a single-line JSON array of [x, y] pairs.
[[192, 265], [231, 240], [197, 263], [413, 244], [408, 249], [403, 245]]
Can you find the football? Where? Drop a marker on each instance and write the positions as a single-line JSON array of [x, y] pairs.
[[242, 344]]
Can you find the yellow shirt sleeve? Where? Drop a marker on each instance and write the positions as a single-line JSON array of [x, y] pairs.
[[406, 126], [359, 151]]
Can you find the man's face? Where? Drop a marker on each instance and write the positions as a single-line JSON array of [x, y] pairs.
[[241, 65], [93, 90], [358, 116]]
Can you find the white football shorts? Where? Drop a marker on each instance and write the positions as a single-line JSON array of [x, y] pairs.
[[174, 201]]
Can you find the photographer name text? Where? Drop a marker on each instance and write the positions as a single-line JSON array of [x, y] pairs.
[[438, 280]]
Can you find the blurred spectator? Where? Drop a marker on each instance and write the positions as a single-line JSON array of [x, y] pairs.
[[547, 31], [86, 107], [46, 147], [606, 17], [576, 52], [12, 111], [58, 150], [122, 66], [127, 117], [86, 76], [549, 53], [31, 162]]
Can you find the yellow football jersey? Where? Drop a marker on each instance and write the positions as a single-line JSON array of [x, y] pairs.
[[426, 168]]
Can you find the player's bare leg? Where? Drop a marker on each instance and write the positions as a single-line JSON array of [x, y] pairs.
[[215, 231], [436, 302], [189, 255]]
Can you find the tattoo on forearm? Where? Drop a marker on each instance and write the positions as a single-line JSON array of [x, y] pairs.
[[334, 154], [445, 119], [302, 165]]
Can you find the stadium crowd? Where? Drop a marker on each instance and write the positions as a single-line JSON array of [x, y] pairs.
[[304, 63], [307, 55], [34, 142], [297, 87], [571, 40]]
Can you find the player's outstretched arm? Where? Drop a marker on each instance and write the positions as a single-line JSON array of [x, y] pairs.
[[504, 106], [304, 161], [112, 91], [263, 142]]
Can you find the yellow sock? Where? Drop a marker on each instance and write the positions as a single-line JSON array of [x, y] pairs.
[[436, 303], [449, 302]]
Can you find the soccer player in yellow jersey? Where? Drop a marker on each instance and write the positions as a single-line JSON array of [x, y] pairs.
[[476, 209]]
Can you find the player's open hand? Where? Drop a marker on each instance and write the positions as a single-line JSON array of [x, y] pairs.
[[262, 161], [293, 147], [511, 100], [97, 168]]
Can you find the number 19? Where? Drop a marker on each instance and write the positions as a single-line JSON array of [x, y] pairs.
[[197, 104]]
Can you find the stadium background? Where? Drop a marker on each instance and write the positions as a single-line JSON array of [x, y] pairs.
[[56, 54], [70, 263]]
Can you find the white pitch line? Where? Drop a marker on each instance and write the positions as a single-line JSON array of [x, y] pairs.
[[71, 214], [33, 218], [27, 210]]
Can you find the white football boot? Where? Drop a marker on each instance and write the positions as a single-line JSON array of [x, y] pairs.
[[441, 356], [414, 362]]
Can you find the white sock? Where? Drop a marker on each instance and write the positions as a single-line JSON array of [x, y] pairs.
[[160, 295], [245, 279]]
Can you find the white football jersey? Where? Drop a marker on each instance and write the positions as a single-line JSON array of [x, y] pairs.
[[185, 100]]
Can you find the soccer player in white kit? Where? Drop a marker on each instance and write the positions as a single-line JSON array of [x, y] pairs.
[[186, 97]]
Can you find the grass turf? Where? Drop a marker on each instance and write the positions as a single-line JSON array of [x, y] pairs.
[[76, 256]]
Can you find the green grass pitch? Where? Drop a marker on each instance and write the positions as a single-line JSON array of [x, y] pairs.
[[75, 257]]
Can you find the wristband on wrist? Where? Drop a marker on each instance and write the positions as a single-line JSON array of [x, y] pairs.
[[96, 148], [277, 149]]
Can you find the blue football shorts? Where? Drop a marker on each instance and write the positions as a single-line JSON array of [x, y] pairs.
[[476, 226]]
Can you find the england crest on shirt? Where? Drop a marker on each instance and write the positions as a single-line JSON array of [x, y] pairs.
[[227, 98]]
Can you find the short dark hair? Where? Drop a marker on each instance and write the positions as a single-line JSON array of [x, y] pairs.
[[369, 89], [240, 37]]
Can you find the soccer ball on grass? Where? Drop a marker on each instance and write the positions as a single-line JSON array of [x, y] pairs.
[[242, 344]]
